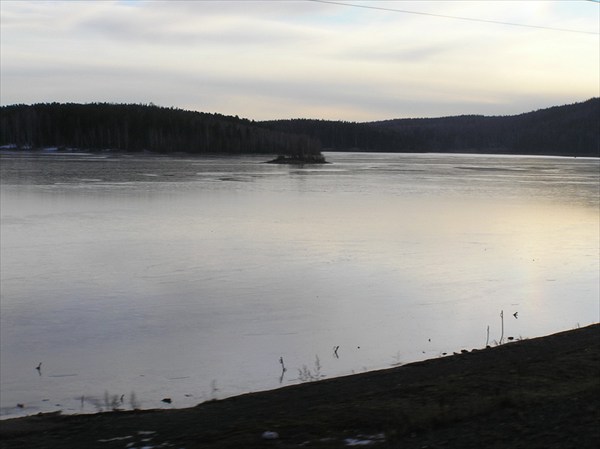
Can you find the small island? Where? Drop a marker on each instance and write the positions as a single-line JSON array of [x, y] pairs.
[[299, 159]]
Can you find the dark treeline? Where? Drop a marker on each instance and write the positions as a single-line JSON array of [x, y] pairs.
[[136, 127], [561, 130], [572, 130]]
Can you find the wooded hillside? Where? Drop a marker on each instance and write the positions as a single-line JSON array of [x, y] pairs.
[[572, 130], [134, 127]]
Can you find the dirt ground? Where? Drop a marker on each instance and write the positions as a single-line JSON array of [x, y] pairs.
[[537, 393]]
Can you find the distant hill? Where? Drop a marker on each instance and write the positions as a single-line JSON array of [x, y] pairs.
[[570, 130], [135, 127]]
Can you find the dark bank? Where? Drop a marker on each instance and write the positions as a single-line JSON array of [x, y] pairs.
[[537, 393]]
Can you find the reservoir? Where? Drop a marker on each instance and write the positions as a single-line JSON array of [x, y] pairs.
[[137, 278]]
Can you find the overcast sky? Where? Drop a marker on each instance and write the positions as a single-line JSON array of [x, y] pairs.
[[290, 59]]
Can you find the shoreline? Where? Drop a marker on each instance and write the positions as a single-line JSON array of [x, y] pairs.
[[540, 392]]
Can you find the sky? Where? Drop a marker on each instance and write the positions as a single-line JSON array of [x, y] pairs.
[[356, 61]]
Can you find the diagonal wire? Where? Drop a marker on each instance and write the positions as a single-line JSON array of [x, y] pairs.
[[470, 19]]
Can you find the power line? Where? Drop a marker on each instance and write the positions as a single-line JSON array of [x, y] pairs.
[[470, 19]]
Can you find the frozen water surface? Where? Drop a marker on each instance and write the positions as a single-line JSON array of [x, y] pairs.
[[188, 278]]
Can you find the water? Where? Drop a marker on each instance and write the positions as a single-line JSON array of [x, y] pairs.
[[189, 278]]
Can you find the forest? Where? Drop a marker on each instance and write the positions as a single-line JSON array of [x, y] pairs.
[[570, 130], [137, 127]]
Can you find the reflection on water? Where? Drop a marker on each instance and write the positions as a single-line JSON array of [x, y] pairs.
[[190, 278]]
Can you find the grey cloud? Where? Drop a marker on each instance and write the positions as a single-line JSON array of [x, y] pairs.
[[412, 54], [198, 26]]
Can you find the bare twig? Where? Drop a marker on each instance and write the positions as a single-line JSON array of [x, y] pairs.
[[502, 322]]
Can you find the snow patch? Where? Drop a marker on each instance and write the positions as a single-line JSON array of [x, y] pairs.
[[365, 440], [108, 440]]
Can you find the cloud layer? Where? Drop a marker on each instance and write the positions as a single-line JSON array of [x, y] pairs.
[[266, 60]]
